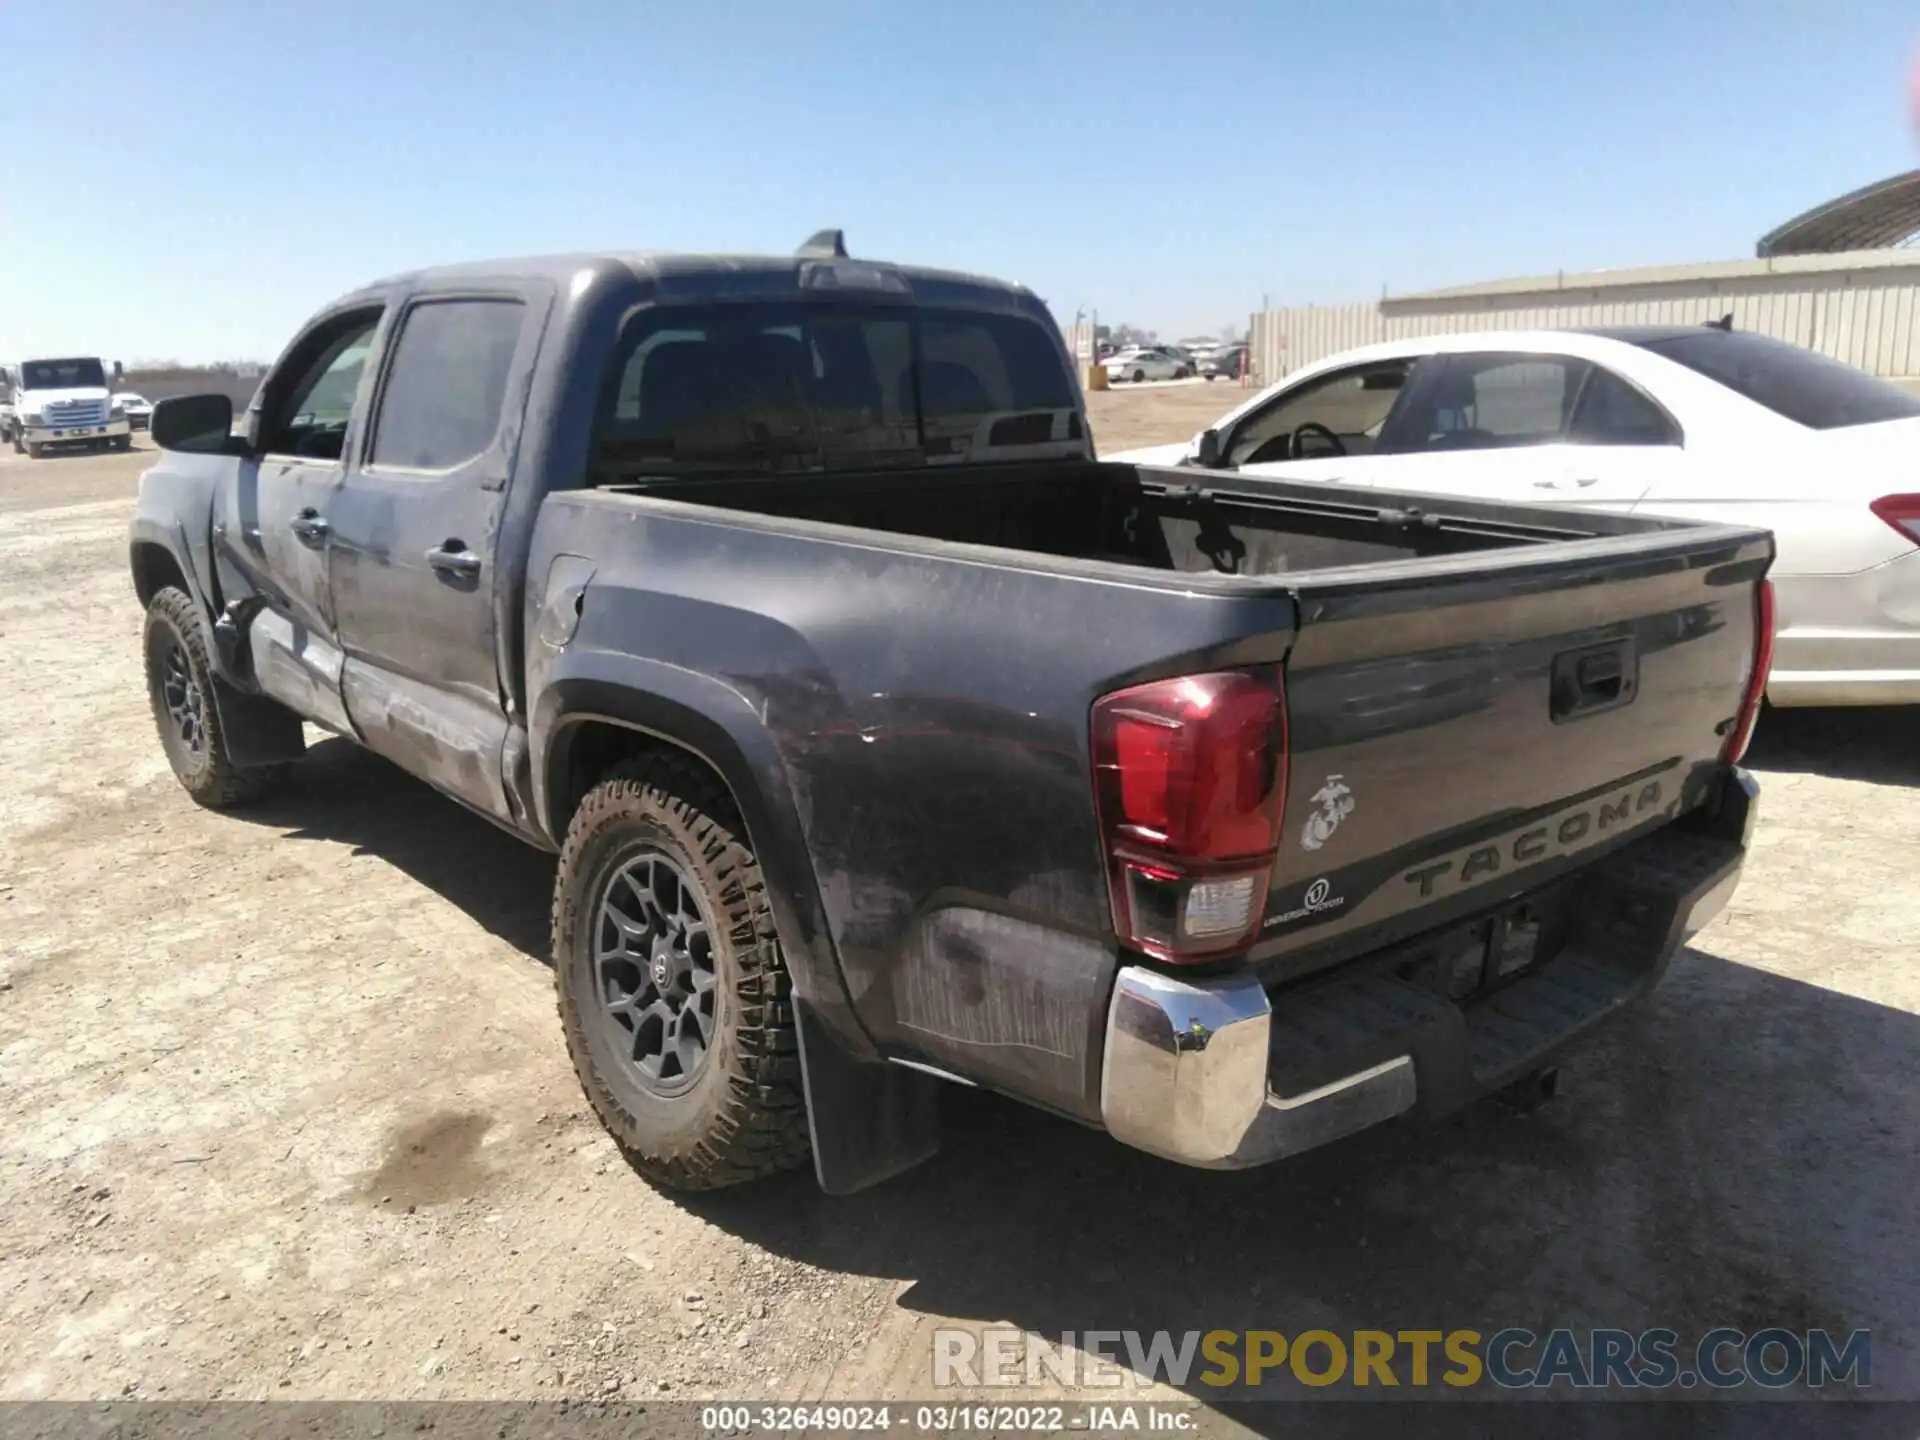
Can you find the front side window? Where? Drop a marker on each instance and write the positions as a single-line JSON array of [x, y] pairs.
[[1338, 414], [1802, 385], [447, 383], [781, 386], [1493, 401], [310, 416]]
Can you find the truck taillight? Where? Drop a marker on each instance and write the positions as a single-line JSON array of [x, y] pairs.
[[1756, 689], [1190, 775], [1902, 512]]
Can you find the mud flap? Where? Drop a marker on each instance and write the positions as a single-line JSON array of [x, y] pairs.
[[869, 1122], [258, 730]]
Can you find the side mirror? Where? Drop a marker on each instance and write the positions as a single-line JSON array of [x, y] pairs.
[[196, 425], [1206, 450]]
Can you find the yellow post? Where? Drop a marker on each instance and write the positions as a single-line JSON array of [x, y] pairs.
[[1096, 376]]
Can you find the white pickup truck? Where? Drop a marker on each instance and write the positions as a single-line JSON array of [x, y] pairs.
[[61, 402]]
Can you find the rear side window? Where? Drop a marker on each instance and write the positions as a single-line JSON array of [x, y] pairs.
[[1485, 402], [446, 384], [781, 386], [1613, 412], [1809, 388]]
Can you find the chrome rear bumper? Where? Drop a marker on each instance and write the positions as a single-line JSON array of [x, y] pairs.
[[1185, 1077], [1186, 1063]]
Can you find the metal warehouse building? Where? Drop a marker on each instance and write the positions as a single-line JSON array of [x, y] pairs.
[[1839, 279]]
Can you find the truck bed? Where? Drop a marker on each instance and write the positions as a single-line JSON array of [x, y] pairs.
[[924, 650], [1162, 519]]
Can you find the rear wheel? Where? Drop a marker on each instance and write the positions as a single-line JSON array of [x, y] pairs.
[[180, 685], [676, 1001]]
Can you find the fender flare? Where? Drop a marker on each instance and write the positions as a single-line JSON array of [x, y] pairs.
[[171, 538], [717, 725], [258, 730]]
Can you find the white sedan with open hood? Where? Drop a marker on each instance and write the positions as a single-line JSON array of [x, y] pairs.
[[1698, 421]]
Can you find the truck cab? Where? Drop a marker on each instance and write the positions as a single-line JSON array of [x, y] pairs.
[[61, 402]]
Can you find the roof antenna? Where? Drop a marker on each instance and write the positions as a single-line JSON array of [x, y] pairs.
[[825, 243], [1725, 322]]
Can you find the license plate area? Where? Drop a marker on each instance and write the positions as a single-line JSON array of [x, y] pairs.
[[1469, 961]]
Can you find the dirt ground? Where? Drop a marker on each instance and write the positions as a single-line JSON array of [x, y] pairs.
[[1158, 413], [285, 1110]]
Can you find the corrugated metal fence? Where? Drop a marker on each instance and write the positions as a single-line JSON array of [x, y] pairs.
[[1863, 309]]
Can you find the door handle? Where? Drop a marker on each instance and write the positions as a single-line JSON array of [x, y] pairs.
[[452, 557], [312, 528], [1570, 483]]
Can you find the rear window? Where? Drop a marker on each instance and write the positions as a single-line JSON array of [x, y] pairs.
[[1806, 387], [773, 387]]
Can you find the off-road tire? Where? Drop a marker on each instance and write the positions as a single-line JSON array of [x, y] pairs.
[[744, 1115], [209, 774]]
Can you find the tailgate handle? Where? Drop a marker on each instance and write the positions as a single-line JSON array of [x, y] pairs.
[[1597, 678]]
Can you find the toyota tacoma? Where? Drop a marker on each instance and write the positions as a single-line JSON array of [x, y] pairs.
[[889, 739]]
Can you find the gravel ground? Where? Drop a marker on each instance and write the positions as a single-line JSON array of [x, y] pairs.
[[285, 1110]]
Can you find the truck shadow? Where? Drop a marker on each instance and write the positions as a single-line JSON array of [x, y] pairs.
[[342, 793], [1879, 744], [1739, 1152]]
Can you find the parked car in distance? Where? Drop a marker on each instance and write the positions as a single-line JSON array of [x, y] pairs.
[[888, 739], [1225, 363], [137, 408], [1690, 421], [1148, 362]]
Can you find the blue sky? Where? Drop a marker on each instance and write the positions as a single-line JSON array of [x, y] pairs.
[[213, 172]]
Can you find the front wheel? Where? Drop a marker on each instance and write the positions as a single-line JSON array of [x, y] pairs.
[[1139, 376], [675, 998], [34, 449], [180, 685], [123, 442]]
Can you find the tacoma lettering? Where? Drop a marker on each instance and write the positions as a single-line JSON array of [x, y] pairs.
[[1531, 845]]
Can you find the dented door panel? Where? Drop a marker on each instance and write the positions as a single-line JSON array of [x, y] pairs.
[[416, 579]]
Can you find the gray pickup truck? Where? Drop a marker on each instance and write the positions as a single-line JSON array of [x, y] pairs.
[[889, 739]]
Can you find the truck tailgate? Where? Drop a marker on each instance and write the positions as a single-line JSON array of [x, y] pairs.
[[1463, 730]]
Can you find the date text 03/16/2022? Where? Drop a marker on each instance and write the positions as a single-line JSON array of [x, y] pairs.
[[946, 1419]]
